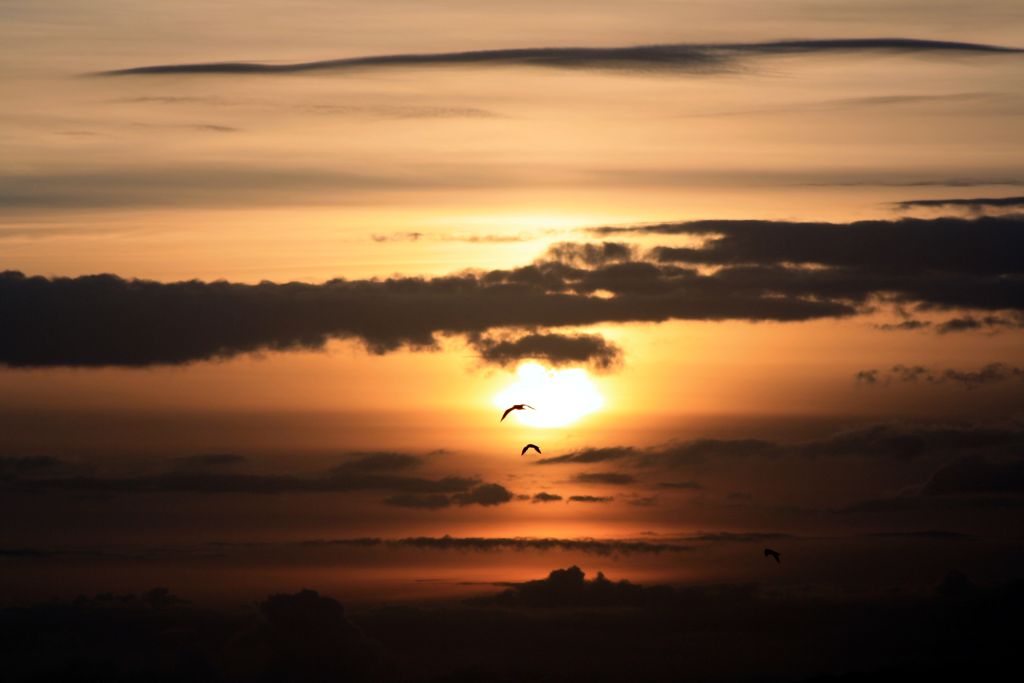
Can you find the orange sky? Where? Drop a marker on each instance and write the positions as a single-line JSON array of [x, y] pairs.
[[475, 167]]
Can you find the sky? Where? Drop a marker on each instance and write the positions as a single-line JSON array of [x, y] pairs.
[[271, 273]]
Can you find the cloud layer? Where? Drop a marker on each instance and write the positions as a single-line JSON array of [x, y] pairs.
[[766, 271]]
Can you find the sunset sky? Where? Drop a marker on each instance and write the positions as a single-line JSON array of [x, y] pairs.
[[273, 272]]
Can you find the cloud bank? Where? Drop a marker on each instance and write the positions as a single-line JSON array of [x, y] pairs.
[[764, 271]]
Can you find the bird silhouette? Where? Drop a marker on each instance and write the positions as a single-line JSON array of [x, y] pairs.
[[768, 552], [518, 406], [529, 446]]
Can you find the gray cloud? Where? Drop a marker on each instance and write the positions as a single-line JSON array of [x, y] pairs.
[[992, 373], [590, 499], [894, 440], [695, 58], [971, 204], [938, 264], [615, 478], [363, 472], [545, 497], [554, 349]]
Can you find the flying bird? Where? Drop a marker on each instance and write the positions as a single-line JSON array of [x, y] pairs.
[[529, 446], [768, 552], [518, 406]]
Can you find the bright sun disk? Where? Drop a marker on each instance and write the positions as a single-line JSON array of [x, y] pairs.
[[560, 396]]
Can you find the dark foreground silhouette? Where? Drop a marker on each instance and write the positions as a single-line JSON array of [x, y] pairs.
[[528, 447], [560, 628]]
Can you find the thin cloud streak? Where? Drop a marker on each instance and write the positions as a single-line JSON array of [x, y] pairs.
[[695, 58]]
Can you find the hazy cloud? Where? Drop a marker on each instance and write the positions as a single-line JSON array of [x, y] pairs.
[[615, 478], [989, 374]]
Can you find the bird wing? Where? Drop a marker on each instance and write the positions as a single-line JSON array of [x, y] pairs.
[[530, 407], [525, 448], [505, 414]]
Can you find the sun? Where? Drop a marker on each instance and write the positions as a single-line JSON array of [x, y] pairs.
[[560, 396]]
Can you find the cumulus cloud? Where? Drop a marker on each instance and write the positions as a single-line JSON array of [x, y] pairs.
[[553, 349], [694, 58]]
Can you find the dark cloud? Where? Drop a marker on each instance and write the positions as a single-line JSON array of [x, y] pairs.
[[970, 204], [988, 323], [982, 246], [590, 499], [545, 497], [590, 455], [896, 440], [554, 349], [364, 472], [585, 545], [904, 325], [589, 254], [209, 460], [977, 475], [992, 373], [927, 535], [569, 588], [688, 58], [616, 478], [487, 495], [944, 263], [744, 537], [680, 485]]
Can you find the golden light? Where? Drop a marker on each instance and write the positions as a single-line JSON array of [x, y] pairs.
[[560, 397]]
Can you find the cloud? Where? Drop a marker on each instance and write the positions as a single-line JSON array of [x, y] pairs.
[[487, 495], [681, 57], [589, 254], [545, 497], [938, 264], [553, 349], [604, 547], [569, 588], [616, 478], [992, 373], [976, 205], [364, 472], [680, 485], [989, 323], [590, 499], [744, 537], [590, 455], [977, 475], [892, 440], [209, 461]]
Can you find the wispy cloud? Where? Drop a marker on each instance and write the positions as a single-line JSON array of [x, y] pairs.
[[693, 58]]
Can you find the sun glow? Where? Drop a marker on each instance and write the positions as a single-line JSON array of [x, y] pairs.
[[560, 397]]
